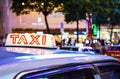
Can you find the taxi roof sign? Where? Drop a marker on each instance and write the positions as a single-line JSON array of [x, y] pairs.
[[32, 40]]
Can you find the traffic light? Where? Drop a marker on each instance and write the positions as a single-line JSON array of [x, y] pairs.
[[94, 30]]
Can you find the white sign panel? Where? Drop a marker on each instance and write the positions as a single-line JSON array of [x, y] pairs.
[[36, 40]]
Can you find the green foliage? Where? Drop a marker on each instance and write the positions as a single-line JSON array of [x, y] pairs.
[[22, 6], [101, 9], [26, 6], [75, 10], [106, 12]]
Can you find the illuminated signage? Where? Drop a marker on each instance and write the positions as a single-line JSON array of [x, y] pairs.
[[38, 40]]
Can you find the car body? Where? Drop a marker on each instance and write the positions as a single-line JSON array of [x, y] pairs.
[[81, 49], [60, 64], [114, 51], [27, 62]]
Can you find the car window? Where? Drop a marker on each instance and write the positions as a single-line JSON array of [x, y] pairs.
[[111, 71], [74, 49], [66, 73], [115, 48], [70, 48], [85, 49], [78, 74]]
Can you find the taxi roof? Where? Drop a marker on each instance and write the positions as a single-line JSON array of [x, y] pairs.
[[6, 52], [17, 62], [21, 52], [18, 53]]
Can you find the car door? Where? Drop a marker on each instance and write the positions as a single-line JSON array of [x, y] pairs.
[[74, 72]]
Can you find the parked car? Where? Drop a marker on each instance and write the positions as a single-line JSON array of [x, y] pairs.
[[114, 51], [81, 49]]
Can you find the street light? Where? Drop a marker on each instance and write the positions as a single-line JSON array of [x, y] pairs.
[[23, 3]]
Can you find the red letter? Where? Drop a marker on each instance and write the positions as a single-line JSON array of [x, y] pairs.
[[44, 39], [35, 39], [14, 38], [22, 39]]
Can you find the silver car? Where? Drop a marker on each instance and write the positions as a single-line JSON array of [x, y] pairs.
[[34, 56], [61, 64]]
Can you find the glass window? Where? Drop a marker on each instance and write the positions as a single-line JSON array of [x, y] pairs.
[[79, 74], [74, 49], [115, 48], [66, 73], [109, 71]]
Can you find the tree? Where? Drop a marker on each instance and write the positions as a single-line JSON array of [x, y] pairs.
[[72, 12], [44, 6], [108, 12], [75, 10], [99, 9]]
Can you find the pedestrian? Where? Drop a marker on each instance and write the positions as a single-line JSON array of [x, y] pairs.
[[69, 42], [1, 41], [98, 47], [4, 39]]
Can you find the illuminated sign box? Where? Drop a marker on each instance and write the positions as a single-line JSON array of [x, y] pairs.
[[33, 40]]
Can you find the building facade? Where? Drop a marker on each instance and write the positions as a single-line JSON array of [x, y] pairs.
[[33, 22]]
